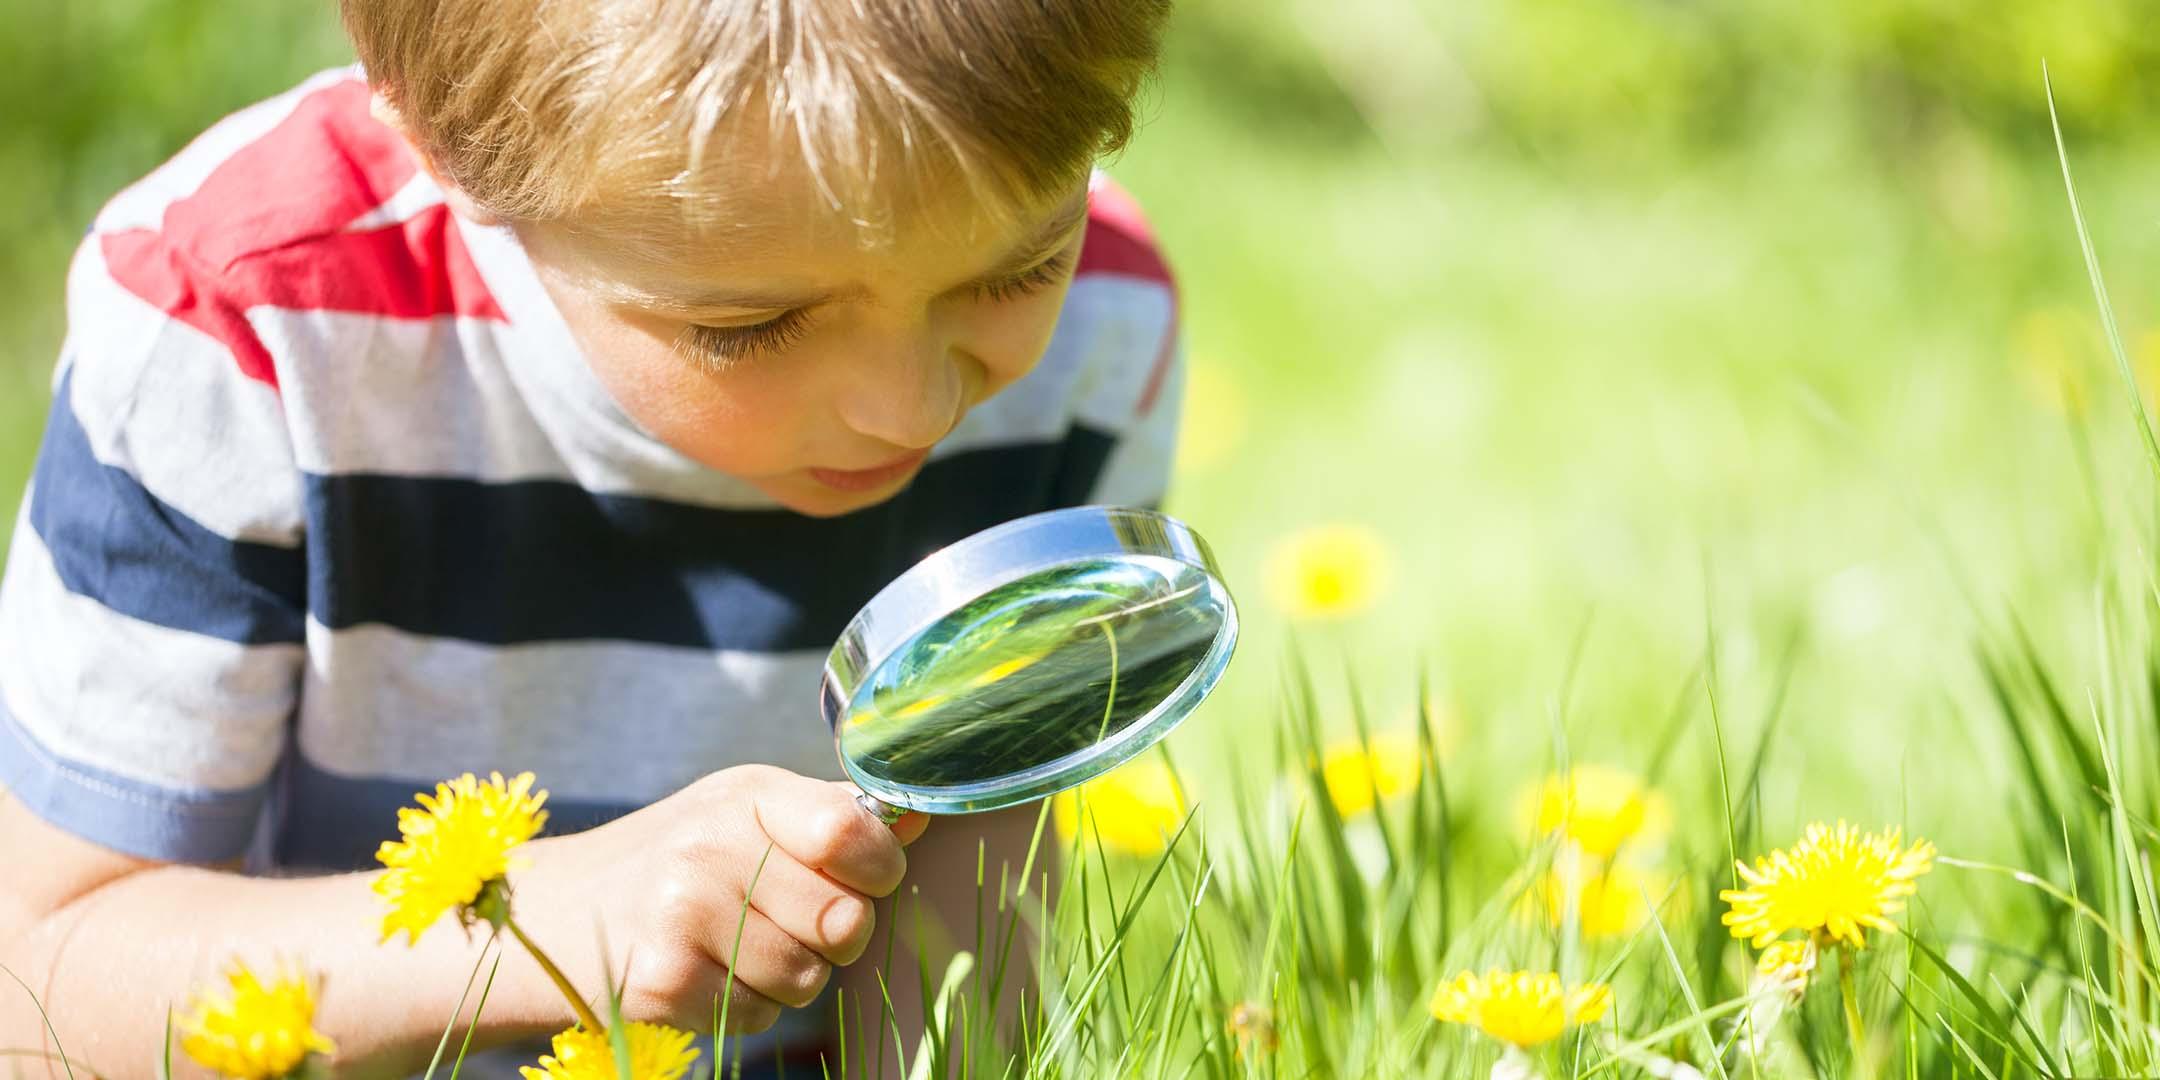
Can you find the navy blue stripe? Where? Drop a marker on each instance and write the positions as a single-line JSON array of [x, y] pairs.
[[327, 821], [543, 560], [115, 542], [125, 814]]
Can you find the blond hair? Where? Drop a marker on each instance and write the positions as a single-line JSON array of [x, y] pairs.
[[621, 113]]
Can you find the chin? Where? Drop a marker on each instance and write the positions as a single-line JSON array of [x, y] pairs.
[[812, 499]]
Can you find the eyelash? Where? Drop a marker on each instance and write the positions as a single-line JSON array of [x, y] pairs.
[[1043, 276], [729, 344]]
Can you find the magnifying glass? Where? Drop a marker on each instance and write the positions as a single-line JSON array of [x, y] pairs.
[[1026, 659]]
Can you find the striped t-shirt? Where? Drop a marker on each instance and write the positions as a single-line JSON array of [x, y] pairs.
[[329, 507]]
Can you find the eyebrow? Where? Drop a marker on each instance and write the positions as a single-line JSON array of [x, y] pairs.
[[1052, 231]]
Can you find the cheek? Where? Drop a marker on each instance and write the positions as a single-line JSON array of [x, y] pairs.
[[1008, 339], [736, 420]]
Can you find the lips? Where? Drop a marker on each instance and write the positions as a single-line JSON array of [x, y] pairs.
[[873, 478]]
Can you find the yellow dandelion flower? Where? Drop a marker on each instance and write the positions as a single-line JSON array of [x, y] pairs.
[[1331, 572], [1521, 1008], [1353, 772], [1832, 885], [1609, 901], [1133, 809], [456, 845], [1252, 1026], [253, 1030], [657, 1052], [1787, 963], [1598, 808]]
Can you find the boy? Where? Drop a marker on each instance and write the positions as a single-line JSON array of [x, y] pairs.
[[547, 399]]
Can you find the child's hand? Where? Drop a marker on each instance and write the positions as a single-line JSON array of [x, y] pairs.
[[669, 883]]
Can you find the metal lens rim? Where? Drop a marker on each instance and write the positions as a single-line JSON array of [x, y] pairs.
[[958, 574]]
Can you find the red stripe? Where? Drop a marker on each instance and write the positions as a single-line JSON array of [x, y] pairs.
[[1118, 241], [325, 164], [144, 264], [264, 229]]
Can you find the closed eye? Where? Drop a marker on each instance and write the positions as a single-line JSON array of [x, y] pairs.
[[1043, 275], [732, 344]]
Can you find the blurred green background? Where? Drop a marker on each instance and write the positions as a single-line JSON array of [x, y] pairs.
[[1615, 321]]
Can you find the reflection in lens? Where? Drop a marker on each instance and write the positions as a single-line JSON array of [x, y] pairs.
[[1031, 673]]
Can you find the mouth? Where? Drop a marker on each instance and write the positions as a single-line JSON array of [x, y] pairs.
[[873, 478]]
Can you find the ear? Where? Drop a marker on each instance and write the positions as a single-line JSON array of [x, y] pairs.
[[454, 196]]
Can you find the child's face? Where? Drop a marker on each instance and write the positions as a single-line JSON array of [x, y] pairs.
[[814, 367]]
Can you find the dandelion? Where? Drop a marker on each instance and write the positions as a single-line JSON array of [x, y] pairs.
[[454, 855], [1833, 885], [1787, 963], [253, 1030], [657, 1052], [1521, 1008], [455, 848], [1133, 809], [1252, 1027], [1354, 772], [1331, 572], [1597, 808], [1608, 902]]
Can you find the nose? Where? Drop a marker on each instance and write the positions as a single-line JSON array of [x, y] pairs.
[[908, 396]]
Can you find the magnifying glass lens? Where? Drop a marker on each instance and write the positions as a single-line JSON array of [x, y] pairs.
[[1033, 685]]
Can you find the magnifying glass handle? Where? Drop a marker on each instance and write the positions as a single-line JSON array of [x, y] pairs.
[[878, 808]]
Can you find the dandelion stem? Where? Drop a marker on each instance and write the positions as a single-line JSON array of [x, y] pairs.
[[1853, 1024], [562, 982]]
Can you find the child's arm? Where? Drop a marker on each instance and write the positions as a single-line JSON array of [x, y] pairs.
[[110, 942]]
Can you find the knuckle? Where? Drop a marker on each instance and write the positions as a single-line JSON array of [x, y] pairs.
[[829, 833], [658, 984]]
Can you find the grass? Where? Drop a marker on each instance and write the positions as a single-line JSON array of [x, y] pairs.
[[1794, 472]]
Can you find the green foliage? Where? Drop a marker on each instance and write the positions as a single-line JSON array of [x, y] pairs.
[[1724, 379]]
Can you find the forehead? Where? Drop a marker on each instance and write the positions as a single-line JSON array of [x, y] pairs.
[[757, 212]]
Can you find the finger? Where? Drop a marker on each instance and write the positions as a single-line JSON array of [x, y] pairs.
[[910, 827], [748, 1012], [693, 1000], [819, 824], [832, 919], [766, 959]]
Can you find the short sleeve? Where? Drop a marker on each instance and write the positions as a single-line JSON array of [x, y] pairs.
[[1124, 306], [153, 605], [1137, 470]]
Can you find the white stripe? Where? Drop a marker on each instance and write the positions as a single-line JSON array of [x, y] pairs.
[[178, 710], [424, 397], [419, 193], [1127, 323], [142, 204], [1138, 472], [167, 403], [435, 397], [606, 721]]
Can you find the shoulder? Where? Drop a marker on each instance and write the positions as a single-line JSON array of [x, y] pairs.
[[299, 204], [1118, 333], [1120, 243]]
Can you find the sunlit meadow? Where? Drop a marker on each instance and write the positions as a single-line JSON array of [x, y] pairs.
[[1694, 525]]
